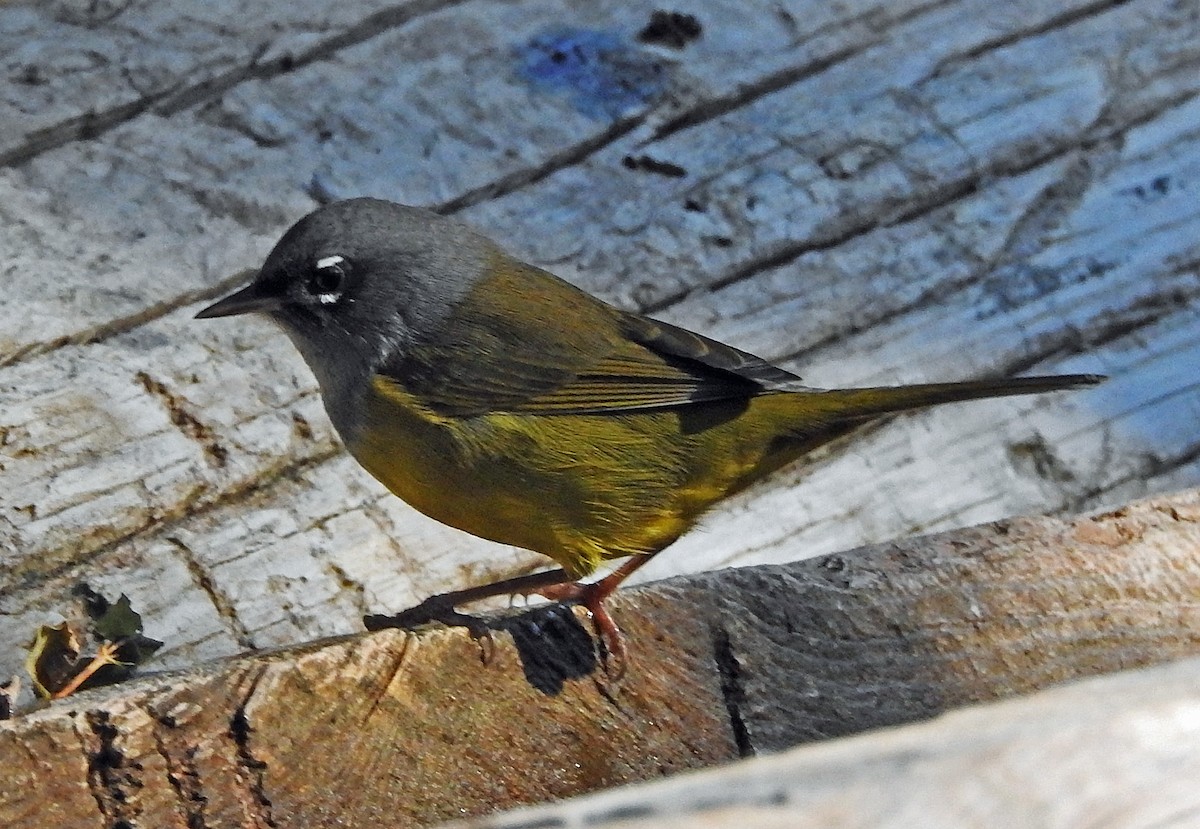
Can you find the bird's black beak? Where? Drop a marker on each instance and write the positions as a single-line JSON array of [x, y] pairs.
[[246, 301]]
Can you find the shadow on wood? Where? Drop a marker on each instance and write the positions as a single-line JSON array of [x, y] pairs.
[[414, 728]]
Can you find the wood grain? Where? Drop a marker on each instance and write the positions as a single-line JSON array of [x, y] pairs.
[[414, 728], [1029, 762], [872, 192]]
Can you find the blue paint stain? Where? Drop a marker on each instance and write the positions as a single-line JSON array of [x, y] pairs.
[[601, 75]]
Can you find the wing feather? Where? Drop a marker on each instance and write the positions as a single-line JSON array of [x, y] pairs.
[[525, 341]]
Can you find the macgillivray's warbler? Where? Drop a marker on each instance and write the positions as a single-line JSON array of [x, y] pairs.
[[499, 399]]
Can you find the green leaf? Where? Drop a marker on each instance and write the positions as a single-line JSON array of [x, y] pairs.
[[118, 621]]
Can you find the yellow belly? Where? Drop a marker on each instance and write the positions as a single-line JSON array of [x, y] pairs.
[[577, 488]]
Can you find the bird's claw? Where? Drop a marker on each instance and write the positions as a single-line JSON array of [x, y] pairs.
[[591, 596], [439, 609]]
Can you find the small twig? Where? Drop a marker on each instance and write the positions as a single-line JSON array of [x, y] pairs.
[[104, 656]]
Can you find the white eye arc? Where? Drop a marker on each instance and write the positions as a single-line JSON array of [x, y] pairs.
[[328, 276]]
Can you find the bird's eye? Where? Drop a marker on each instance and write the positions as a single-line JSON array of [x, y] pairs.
[[328, 279]]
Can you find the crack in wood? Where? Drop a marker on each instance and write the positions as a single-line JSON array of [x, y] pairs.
[[183, 776], [561, 160], [112, 778], [1141, 470], [753, 91], [181, 95], [733, 692], [184, 420], [1153, 466], [224, 606], [121, 325], [1062, 20], [253, 768], [82, 127], [1106, 327], [750, 93], [393, 674], [52, 563]]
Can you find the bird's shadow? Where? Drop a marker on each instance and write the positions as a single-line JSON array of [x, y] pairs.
[[553, 645], [550, 640]]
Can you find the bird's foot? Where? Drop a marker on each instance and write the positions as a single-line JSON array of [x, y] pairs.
[[554, 585], [440, 608], [591, 596], [444, 606]]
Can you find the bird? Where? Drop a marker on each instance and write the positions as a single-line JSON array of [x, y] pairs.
[[500, 399]]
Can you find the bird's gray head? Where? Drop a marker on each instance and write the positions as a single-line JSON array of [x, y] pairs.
[[354, 281]]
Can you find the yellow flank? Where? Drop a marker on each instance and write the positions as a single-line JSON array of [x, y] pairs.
[[577, 488]]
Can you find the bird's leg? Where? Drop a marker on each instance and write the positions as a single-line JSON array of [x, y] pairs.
[[555, 585], [442, 607], [591, 595]]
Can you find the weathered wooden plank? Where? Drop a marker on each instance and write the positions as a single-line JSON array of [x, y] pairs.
[[739, 662], [460, 105], [78, 69], [273, 740], [897, 136], [1036, 761], [910, 209]]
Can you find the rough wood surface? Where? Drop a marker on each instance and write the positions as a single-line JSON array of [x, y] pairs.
[[866, 191], [1118, 751], [409, 729]]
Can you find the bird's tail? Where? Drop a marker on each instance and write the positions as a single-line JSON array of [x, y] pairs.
[[872, 402]]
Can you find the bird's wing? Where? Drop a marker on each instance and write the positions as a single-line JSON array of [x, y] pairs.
[[525, 341], [671, 341]]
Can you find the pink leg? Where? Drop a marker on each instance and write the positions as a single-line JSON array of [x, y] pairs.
[[441, 608], [591, 595], [554, 585]]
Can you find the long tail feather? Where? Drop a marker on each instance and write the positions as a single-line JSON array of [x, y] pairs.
[[871, 402]]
